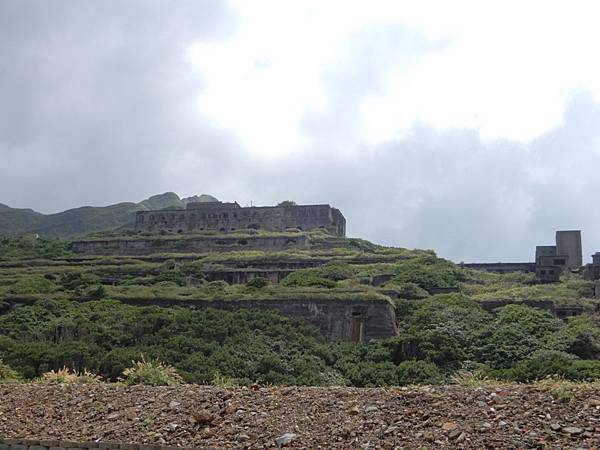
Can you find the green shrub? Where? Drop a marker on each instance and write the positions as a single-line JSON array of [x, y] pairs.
[[217, 286], [31, 246], [515, 334], [334, 271], [323, 276], [78, 281], [258, 282], [96, 292], [428, 272], [300, 278], [7, 374], [410, 291], [370, 374], [171, 275], [544, 364], [32, 285], [418, 372], [581, 337]]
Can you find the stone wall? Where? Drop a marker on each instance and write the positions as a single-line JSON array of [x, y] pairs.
[[227, 217], [29, 444], [560, 311], [501, 267], [197, 244]]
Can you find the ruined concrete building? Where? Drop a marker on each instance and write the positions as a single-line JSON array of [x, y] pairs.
[[226, 217], [550, 260]]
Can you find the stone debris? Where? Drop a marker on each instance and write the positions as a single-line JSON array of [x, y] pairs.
[[303, 417], [285, 439]]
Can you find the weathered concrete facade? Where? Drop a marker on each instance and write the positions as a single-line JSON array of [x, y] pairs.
[[568, 242], [218, 216], [501, 267], [196, 244], [552, 260], [559, 310]]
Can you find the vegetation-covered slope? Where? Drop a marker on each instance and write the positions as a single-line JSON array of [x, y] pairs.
[[440, 335]]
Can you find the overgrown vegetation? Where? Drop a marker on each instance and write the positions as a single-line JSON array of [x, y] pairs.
[[442, 337], [32, 246], [151, 373], [439, 336]]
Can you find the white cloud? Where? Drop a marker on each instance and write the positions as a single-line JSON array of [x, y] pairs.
[[467, 127], [504, 68]]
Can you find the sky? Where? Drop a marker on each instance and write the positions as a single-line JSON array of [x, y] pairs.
[[466, 127]]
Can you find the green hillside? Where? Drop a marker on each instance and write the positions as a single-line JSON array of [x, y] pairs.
[[87, 219], [101, 312]]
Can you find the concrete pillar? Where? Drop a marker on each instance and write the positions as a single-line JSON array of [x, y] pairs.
[[568, 242]]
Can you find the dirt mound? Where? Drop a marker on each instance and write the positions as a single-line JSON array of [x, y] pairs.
[[497, 417]]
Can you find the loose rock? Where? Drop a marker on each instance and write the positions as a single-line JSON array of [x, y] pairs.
[[285, 439]]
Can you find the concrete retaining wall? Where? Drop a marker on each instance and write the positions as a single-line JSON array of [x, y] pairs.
[[561, 311], [199, 244], [528, 267]]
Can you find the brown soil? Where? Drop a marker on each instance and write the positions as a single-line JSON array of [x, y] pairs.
[[491, 417]]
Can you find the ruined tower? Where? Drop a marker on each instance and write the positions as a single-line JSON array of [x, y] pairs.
[[568, 243]]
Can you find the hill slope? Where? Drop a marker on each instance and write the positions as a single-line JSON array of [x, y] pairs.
[[86, 219]]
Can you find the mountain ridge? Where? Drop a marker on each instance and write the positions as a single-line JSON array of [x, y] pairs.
[[87, 219]]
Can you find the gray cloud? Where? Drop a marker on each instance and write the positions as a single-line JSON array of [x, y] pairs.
[[99, 106], [97, 96], [450, 191]]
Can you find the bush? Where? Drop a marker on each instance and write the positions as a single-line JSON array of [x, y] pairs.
[[258, 282], [31, 246], [66, 376], [171, 275], [334, 271], [515, 334], [370, 374], [151, 373], [7, 373], [418, 372], [96, 292], [217, 286], [307, 279], [428, 272], [581, 337], [546, 364], [410, 291], [32, 285], [78, 281]]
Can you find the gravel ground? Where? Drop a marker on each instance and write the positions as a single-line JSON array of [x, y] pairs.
[[491, 417]]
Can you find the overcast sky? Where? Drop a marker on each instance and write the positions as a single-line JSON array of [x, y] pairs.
[[467, 127]]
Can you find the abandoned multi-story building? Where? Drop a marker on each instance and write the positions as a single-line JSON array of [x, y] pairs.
[[552, 260], [225, 217]]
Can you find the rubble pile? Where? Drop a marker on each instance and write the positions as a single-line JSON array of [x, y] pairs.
[[493, 417]]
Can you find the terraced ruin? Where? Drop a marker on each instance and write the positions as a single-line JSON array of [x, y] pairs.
[[247, 310]]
